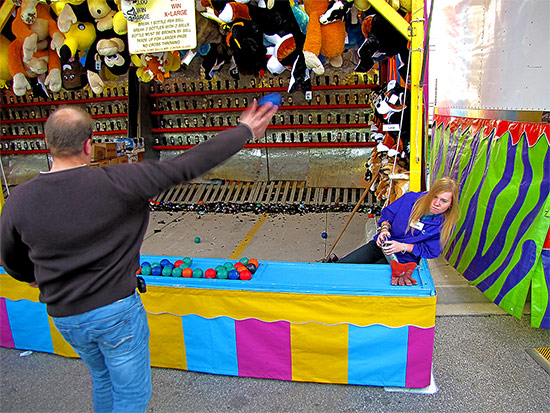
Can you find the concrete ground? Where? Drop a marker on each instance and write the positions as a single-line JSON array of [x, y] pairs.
[[480, 361]]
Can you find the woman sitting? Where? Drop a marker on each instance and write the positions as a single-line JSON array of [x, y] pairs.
[[416, 225]]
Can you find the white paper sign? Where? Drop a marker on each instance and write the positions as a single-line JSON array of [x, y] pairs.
[[162, 25], [390, 127]]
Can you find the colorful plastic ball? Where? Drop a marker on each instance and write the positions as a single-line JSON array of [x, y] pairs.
[[255, 262], [222, 273], [165, 262], [244, 260], [324, 235], [156, 271], [197, 240], [167, 271], [228, 266], [238, 265], [156, 264], [187, 272], [176, 272], [145, 264], [275, 98], [251, 267], [220, 267], [210, 273], [146, 270], [188, 261], [241, 269], [245, 275], [178, 263], [138, 272], [233, 275], [197, 273]]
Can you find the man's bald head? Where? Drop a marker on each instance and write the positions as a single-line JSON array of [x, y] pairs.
[[67, 130]]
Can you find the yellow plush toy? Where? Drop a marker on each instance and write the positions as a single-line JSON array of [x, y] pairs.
[[328, 39], [156, 66]]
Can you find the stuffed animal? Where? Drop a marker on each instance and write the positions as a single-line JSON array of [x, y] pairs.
[[33, 52], [80, 37], [327, 40], [74, 75], [99, 12], [156, 66], [107, 58], [381, 40]]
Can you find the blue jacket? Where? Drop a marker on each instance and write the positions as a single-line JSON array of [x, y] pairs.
[[426, 241]]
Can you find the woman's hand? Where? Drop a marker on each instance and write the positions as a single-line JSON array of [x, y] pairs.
[[383, 236], [394, 247]]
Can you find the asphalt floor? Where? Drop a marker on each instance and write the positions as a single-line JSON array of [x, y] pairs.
[[480, 360]]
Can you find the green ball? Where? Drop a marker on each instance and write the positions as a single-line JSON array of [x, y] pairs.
[[167, 271], [219, 267], [146, 270], [176, 272], [228, 266], [197, 240], [197, 273], [156, 264], [221, 273], [244, 260], [187, 262]]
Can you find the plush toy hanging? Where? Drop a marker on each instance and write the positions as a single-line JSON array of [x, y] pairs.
[[327, 40], [33, 52]]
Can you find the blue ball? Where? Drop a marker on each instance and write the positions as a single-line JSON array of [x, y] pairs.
[[156, 271], [165, 262], [233, 275], [324, 235], [145, 264], [274, 98]]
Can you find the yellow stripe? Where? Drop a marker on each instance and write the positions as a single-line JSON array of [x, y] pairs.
[[293, 307], [244, 243], [319, 353], [166, 342], [5, 12]]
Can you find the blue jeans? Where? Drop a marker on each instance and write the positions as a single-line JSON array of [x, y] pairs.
[[113, 341]]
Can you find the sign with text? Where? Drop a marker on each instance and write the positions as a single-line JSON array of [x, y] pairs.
[[160, 25]]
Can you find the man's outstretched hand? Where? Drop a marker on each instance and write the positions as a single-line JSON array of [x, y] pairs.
[[257, 119], [401, 274]]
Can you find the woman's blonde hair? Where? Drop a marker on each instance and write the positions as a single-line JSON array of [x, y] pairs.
[[422, 207]]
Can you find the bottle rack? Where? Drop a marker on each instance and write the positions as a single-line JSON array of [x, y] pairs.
[[23, 117], [335, 116]]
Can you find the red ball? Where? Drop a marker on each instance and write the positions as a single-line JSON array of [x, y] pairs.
[[178, 263], [238, 265], [187, 273], [245, 275], [210, 273]]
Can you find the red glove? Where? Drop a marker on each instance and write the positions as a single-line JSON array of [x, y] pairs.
[[401, 274]]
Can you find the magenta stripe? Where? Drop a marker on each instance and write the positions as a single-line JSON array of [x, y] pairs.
[[419, 357], [6, 339], [263, 349]]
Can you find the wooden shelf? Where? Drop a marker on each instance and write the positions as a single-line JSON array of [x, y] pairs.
[[24, 152], [308, 126], [282, 145], [38, 120], [254, 90], [289, 107], [65, 102]]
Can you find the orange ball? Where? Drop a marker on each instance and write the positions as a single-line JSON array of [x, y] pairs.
[[238, 265], [254, 261], [187, 273], [241, 269]]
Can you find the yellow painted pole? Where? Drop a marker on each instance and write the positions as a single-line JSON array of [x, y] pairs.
[[417, 105], [392, 16], [5, 11]]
